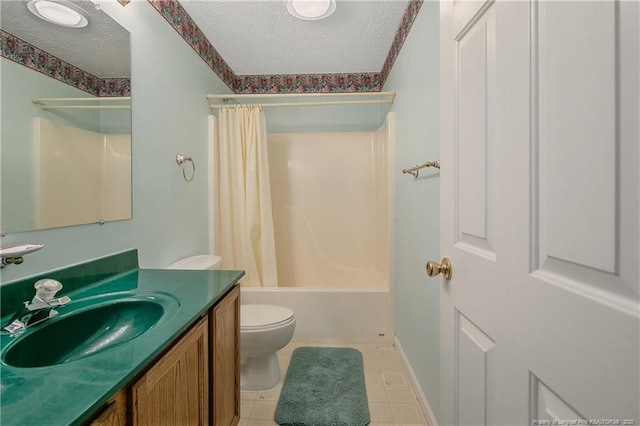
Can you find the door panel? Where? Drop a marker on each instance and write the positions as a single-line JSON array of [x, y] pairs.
[[577, 133], [474, 84], [539, 211], [473, 346], [546, 405], [579, 139]]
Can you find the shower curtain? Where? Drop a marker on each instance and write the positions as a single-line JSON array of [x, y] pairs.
[[245, 220]]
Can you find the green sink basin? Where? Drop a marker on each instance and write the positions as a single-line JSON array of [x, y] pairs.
[[79, 335]]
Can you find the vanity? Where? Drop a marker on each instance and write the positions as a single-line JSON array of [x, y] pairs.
[[162, 347]]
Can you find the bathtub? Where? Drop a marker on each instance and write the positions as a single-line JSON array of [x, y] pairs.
[[332, 315], [332, 202]]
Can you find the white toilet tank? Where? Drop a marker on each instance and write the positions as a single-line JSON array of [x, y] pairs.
[[203, 261]]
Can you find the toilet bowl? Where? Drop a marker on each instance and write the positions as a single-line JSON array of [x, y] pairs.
[[264, 330]]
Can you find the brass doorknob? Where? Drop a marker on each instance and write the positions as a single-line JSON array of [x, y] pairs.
[[434, 268]]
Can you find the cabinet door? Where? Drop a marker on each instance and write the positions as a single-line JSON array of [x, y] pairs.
[[175, 391], [225, 360], [116, 412]]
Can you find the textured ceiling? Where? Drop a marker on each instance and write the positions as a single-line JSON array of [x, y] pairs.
[[261, 37], [254, 37], [101, 48]]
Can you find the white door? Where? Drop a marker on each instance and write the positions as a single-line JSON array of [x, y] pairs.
[[539, 212]]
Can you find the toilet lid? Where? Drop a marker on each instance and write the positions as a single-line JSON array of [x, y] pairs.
[[263, 315]]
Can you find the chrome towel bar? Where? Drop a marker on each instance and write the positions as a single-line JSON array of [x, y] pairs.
[[416, 169]]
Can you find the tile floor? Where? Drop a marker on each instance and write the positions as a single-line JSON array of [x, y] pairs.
[[392, 399]]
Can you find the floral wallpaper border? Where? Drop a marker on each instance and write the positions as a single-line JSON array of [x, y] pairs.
[[173, 12], [179, 19], [24, 53], [409, 16], [308, 83]]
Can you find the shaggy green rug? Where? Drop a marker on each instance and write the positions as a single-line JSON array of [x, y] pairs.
[[323, 387]]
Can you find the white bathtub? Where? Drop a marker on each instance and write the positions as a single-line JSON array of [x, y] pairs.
[[333, 258], [336, 315]]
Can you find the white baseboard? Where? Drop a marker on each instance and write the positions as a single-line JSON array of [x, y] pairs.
[[426, 408]]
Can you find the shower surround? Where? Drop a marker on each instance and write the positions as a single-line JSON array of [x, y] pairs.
[[332, 212], [329, 194]]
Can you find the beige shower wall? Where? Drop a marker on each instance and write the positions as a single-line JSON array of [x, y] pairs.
[[383, 161], [83, 176], [330, 197]]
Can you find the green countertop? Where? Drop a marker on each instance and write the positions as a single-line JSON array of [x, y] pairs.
[[72, 393]]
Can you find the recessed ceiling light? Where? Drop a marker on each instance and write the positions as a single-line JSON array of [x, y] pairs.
[[311, 10], [62, 13]]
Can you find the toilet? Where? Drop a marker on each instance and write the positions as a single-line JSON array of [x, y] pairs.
[[264, 330], [203, 261]]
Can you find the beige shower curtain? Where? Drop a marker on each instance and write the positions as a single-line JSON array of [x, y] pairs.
[[245, 221]]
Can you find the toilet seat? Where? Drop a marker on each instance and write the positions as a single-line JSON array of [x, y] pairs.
[[262, 317]]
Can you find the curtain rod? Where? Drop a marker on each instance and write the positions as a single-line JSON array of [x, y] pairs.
[[297, 95], [298, 104], [43, 103], [96, 99], [47, 107]]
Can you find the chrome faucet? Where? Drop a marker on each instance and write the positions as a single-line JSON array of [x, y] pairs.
[[40, 308]]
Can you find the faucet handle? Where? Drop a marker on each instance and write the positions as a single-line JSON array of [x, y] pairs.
[[60, 301], [47, 288]]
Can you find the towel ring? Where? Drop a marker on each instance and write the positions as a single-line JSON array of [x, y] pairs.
[[182, 159]]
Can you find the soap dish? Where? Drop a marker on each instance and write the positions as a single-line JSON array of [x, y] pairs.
[[19, 250]]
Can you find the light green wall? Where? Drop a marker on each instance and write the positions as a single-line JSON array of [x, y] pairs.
[[415, 77], [326, 118], [20, 85], [115, 121], [169, 115], [321, 118]]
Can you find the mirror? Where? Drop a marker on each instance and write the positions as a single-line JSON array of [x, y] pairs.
[[65, 161]]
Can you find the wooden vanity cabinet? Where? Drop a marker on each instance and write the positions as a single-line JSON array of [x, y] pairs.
[[175, 391], [115, 413], [197, 382], [224, 319]]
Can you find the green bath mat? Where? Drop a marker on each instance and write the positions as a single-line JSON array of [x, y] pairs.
[[323, 387]]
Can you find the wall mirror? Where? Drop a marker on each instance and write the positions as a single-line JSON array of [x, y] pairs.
[[65, 117]]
